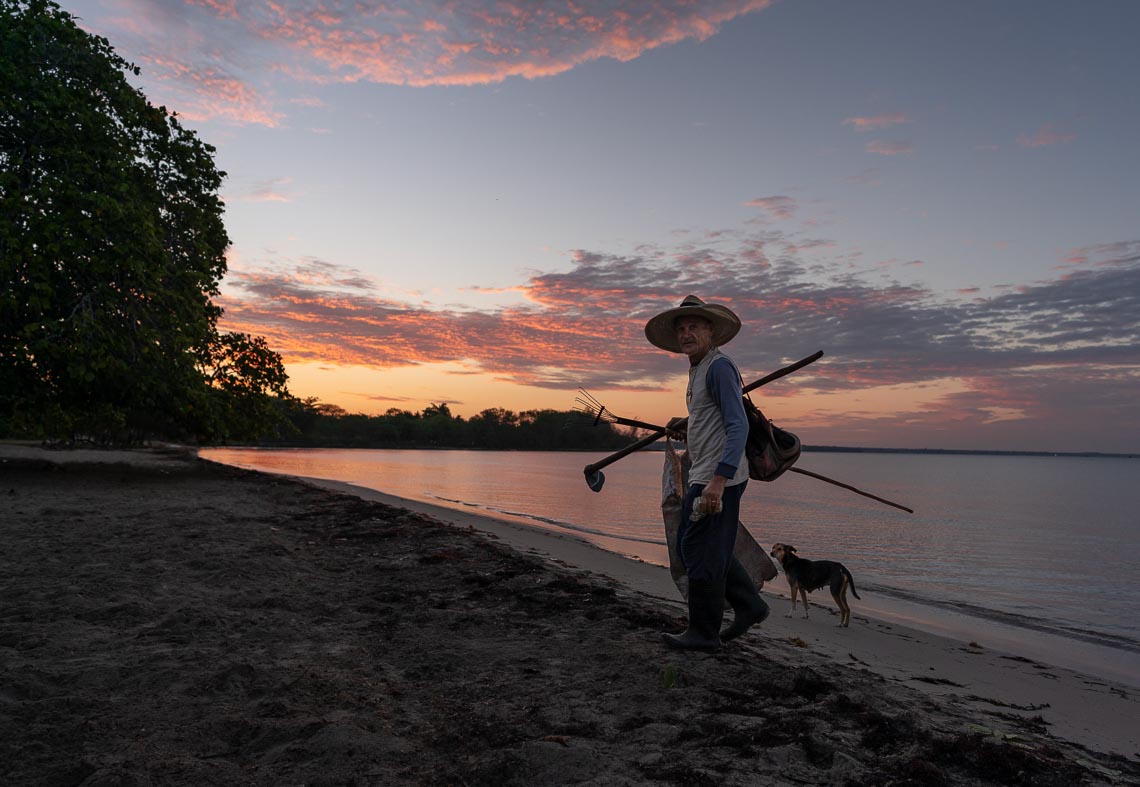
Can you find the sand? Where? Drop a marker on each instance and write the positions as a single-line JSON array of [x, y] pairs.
[[165, 620]]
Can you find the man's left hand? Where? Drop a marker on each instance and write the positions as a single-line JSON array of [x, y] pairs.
[[711, 495]]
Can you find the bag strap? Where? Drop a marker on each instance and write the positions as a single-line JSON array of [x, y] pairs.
[[745, 393], [735, 368]]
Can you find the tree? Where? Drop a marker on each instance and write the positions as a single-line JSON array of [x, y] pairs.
[[112, 246], [494, 428], [247, 384]]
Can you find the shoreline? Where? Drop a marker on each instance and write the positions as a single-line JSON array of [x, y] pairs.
[[167, 619], [1093, 659], [997, 608], [807, 449], [941, 665]]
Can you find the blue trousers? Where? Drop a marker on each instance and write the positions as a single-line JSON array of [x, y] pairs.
[[706, 545]]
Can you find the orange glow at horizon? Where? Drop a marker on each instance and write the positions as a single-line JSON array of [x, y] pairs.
[[818, 417], [466, 390]]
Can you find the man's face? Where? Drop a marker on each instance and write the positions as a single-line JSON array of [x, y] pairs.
[[694, 334]]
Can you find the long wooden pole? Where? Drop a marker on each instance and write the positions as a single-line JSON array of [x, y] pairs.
[[591, 470], [776, 375], [641, 425], [801, 471], [644, 442]]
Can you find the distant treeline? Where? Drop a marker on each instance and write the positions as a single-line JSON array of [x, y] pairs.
[[328, 426], [840, 449]]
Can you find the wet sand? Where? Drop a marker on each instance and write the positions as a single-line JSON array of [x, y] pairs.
[[165, 620]]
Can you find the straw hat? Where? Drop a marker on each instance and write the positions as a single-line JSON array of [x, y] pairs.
[[660, 331]]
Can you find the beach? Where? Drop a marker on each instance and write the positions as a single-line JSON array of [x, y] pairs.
[[166, 620]]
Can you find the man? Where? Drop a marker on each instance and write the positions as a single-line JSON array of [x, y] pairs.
[[716, 432]]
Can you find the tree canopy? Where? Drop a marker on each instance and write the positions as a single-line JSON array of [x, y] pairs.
[[322, 425], [112, 247]]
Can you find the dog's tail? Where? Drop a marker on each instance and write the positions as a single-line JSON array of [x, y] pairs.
[[851, 582]]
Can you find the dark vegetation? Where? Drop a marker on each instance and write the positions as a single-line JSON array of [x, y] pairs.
[[112, 247], [328, 426]]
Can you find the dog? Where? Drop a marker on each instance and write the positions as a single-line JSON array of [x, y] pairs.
[[804, 576]]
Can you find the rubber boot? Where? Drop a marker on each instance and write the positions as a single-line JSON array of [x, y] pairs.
[[747, 606], [706, 608]]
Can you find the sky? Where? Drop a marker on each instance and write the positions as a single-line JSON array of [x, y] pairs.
[[482, 203]]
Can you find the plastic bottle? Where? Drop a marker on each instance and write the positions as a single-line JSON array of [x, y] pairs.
[[697, 514]]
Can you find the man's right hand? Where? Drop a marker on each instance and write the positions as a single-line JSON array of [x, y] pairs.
[[677, 428]]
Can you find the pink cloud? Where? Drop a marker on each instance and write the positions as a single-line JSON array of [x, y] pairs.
[[267, 195], [270, 191], [1044, 136], [460, 44], [1104, 255], [868, 177], [779, 207], [876, 122], [900, 148], [227, 9], [208, 94], [810, 244], [216, 59]]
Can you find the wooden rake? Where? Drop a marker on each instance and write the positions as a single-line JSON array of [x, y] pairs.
[[597, 412]]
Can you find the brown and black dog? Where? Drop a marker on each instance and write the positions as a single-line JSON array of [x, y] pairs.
[[804, 576]]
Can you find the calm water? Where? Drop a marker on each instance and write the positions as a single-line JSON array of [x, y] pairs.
[[1026, 547]]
